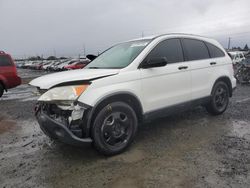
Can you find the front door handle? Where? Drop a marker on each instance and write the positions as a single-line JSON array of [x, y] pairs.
[[213, 63], [182, 67]]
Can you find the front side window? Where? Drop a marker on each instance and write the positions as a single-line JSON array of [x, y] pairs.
[[170, 49], [5, 61], [119, 56], [215, 51], [195, 49]]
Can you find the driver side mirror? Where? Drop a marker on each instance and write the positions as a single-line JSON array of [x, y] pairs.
[[91, 57], [155, 62]]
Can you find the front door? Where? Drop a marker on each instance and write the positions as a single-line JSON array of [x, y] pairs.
[[168, 85]]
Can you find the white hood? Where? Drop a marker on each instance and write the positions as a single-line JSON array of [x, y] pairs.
[[48, 81]]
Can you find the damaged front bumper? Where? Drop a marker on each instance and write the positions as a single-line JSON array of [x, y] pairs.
[[60, 130]]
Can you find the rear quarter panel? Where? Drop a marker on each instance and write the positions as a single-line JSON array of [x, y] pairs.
[[224, 68]]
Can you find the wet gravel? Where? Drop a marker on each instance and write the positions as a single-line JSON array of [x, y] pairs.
[[189, 149]]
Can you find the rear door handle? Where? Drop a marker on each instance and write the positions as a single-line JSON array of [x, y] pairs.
[[182, 67], [213, 63]]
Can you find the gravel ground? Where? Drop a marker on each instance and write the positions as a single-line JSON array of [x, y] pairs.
[[190, 149]]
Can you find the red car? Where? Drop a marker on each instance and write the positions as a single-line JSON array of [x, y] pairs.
[[8, 73], [76, 65]]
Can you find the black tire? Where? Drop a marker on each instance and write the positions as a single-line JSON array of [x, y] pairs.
[[114, 128], [220, 99], [1, 90]]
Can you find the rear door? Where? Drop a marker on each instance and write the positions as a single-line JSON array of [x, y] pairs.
[[7, 70], [169, 85], [201, 66]]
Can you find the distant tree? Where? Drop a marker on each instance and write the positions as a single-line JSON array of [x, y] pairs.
[[63, 57], [246, 47], [34, 58], [51, 58]]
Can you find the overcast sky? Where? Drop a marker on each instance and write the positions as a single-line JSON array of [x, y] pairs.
[[64, 27]]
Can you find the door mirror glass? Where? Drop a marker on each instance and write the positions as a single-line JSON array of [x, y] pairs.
[[155, 62]]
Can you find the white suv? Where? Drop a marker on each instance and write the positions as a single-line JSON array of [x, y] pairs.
[[130, 83]]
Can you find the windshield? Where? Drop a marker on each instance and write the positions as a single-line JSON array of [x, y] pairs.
[[119, 56]]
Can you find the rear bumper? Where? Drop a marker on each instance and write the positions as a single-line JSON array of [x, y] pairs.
[[234, 88], [58, 131]]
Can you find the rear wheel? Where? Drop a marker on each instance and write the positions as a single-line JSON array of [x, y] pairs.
[[1, 90], [219, 100], [114, 128]]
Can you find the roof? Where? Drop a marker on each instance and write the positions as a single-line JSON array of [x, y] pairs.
[[169, 34]]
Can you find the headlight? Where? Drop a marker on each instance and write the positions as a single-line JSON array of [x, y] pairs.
[[65, 93]]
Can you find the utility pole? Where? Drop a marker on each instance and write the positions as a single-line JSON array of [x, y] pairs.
[[229, 43], [142, 34], [84, 50]]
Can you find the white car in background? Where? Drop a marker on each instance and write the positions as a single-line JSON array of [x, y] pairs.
[[70, 62], [47, 65], [237, 56], [59, 66], [133, 82]]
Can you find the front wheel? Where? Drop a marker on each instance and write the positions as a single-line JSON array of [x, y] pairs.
[[219, 100], [1, 90], [114, 128]]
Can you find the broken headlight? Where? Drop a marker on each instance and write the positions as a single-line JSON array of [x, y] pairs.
[[62, 103], [64, 93]]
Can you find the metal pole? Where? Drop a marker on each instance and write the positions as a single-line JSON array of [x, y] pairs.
[[142, 34], [229, 43], [84, 50]]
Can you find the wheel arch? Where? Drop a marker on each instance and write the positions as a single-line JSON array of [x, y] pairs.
[[127, 97], [3, 84], [227, 80]]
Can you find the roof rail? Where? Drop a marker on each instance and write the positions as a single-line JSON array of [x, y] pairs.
[[2, 52], [187, 34]]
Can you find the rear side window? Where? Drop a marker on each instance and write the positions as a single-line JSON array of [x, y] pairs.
[[170, 49], [195, 49], [215, 51], [5, 61]]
